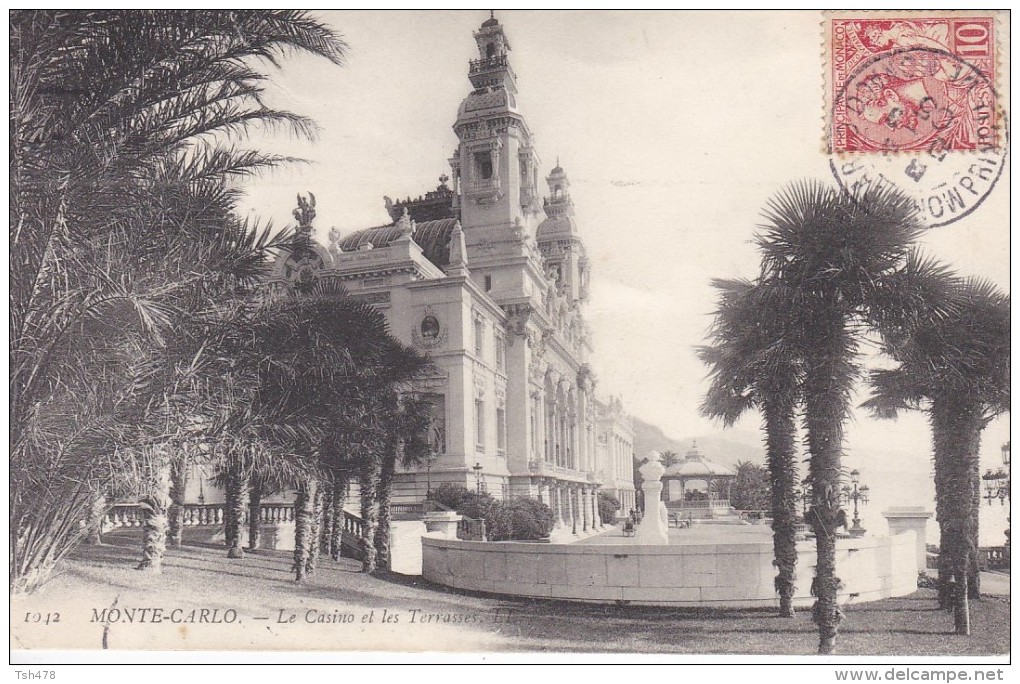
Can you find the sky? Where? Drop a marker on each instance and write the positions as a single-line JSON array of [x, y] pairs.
[[674, 129]]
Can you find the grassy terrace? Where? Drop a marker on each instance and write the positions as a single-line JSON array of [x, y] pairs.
[[342, 609]]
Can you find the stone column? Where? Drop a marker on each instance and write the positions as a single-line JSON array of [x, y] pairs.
[[572, 522], [543, 493], [549, 407], [903, 518], [558, 498], [584, 509], [595, 507]]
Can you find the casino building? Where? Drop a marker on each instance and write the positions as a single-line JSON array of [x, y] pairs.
[[488, 273]]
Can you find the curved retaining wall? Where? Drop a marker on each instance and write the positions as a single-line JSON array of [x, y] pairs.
[[711, 575]]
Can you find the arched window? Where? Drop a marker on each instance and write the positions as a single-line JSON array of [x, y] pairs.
[[490, 50], [557, 192]]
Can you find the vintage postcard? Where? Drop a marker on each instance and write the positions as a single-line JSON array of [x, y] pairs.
[[442, 336]]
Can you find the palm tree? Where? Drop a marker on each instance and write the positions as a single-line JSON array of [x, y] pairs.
[[121, 230], [754, 361], [669, 458], [406, 442], [323, 362], [956, 369], [838, 253]]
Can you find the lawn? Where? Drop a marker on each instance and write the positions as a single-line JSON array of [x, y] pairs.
[[253, 603]]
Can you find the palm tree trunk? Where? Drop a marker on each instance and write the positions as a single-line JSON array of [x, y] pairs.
[[780, 430], [178, 484], [943, 467], [229, 493], [315, 531], [234, 513], [974, 523], [254, 512], [366, 483], [304, 510], [826, 397], [154, 525], [326, 529], [956, 430], [336, 531], [383, 494]]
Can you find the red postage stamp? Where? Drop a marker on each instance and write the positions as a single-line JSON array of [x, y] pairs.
[[911, 83]]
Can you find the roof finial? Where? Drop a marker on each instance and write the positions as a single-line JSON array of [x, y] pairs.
[[492, 14]]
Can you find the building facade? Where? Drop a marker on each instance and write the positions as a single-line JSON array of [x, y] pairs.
[[489, 278], [615, 452]]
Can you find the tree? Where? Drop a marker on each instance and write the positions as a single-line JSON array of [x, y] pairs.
[[956, 368], [669, 458], [323, 361], [750, 488], [755, 361], [122, 234], [839, 253], [405, 441], [608, 506]]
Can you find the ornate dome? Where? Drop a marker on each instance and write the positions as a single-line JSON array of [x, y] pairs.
[[432, 236], [696, 465]]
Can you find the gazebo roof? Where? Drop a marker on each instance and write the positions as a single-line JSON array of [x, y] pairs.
[[696, 465]]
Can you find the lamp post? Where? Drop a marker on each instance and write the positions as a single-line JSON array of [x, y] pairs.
[[997, 484], [859, 495], [477, 467], [428, 475]]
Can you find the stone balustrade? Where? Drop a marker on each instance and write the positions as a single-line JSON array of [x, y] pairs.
[[717, 575], [199, 515]]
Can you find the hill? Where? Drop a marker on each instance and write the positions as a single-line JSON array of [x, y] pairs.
[[725, 448]]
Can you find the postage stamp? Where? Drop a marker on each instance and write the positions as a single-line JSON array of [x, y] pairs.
[[912, 84], [912, 101]]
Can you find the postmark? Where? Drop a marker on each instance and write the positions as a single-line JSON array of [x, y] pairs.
[[912, 103]]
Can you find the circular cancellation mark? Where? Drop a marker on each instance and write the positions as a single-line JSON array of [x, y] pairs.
[[926, 122]]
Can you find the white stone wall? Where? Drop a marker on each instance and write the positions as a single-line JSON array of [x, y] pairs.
[[719, 575]]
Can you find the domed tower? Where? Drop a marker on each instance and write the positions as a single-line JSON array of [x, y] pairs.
[[495, 168], [560, 241]]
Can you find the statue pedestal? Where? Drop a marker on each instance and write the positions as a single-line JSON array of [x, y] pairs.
[[654, 527]]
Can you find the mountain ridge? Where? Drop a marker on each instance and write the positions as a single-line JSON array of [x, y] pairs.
[[737, 445]]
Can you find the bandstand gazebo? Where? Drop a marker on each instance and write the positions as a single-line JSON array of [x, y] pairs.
[[711, 501]]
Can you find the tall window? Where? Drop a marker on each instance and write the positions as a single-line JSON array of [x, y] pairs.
[[500, 352], [479, 425], [479, 334], [501, 430]]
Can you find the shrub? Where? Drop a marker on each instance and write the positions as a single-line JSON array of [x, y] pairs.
[[608, 506], [466, 502], [449, 495], [475, 505], [520, 519], [926, 581]]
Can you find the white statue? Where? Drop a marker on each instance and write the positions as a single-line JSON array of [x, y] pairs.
[[655, 525]]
